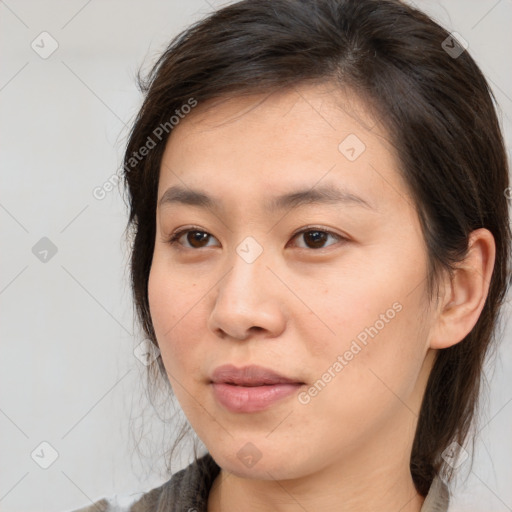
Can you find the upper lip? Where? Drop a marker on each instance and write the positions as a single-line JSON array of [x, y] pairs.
[[252, 375]]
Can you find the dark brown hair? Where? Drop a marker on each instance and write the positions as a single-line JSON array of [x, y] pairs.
[[438, 110]]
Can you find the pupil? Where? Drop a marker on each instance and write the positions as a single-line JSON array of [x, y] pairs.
[[317, 237], [196, 236], [314, 238]]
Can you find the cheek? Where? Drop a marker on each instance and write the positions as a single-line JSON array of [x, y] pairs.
[[373, 381], [168, 312], [380, 331], [177, 312]]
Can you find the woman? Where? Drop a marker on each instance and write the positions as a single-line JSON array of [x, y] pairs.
[[321, 244]]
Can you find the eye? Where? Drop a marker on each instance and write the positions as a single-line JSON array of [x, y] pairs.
[[316, 238], [195, 237]]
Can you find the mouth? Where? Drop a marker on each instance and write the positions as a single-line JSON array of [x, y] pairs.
[[252, 388], [250, 376]]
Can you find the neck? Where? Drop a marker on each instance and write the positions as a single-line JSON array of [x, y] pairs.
[[230, 493], [374, 475]]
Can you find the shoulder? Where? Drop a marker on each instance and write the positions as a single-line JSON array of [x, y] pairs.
[[188, 488], [98, 506], [116, 503], [438, 497]]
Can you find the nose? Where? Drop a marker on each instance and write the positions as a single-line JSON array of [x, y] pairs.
[[249, 300]]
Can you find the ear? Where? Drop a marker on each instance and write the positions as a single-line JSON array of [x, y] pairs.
[[465, 293]]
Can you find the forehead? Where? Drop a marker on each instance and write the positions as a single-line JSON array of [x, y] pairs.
[[326, 107], [299, 137]]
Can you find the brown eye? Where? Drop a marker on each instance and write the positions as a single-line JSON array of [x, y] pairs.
[[316, 238], [195, 238]]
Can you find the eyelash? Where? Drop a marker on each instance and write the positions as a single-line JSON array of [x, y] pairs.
[[173, 239]]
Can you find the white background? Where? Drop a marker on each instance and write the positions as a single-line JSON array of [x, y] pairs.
[[68, 373]]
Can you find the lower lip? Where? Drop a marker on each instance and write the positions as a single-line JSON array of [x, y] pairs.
[[251, 399]]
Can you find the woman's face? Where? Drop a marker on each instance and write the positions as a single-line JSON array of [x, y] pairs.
[[326, 287]]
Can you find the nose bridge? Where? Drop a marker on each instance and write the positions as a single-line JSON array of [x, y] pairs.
[[248, 270], [246, 298]]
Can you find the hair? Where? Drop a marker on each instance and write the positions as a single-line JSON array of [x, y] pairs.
[[439, 112]]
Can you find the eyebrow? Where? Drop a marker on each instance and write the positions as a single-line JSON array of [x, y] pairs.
[[325, 194]]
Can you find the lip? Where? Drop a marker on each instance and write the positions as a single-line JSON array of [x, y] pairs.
[[251, 388], [252, 375]]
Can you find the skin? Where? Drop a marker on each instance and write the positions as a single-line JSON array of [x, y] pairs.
[[296, 308]]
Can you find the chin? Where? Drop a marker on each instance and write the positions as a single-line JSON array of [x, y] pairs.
[[251, 462]]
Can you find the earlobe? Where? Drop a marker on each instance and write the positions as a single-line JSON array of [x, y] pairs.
[[466, 292]]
